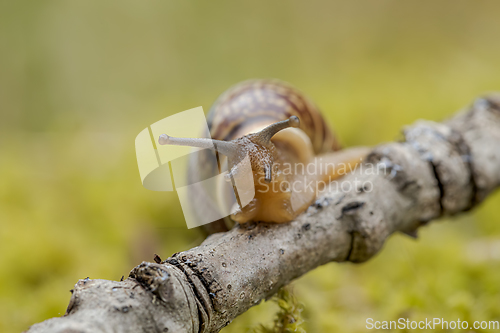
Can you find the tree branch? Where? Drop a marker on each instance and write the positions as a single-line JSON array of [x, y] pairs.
[[440, 169]]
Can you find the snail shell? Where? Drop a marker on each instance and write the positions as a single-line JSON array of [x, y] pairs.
[[252, 105]]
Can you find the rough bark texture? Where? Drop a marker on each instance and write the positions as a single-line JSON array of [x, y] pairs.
[[439, 169]]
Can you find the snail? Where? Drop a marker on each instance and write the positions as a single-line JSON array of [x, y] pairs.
[[288, 144]]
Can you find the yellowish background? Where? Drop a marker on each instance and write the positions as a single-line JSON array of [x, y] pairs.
[[80, 79]]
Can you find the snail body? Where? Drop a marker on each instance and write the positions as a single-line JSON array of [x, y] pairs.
[[288, 144]]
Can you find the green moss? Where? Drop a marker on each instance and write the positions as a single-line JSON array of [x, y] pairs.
[[288, 318]]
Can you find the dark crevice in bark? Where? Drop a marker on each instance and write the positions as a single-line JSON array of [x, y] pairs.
[[439, 185], [203, 281], [201, 302], [351, 246], [464, 148]]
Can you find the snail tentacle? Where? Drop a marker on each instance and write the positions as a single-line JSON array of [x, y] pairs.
[[227, 148], [264, 136]]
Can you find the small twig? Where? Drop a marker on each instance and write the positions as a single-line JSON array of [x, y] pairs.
[[441, 169]]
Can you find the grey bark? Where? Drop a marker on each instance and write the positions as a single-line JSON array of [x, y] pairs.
[[440, 169]]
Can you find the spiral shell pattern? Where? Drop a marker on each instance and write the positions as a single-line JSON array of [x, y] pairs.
[[248, 105]]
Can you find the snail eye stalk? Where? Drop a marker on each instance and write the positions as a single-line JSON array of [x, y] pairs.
[[228, 148], [264, 137]]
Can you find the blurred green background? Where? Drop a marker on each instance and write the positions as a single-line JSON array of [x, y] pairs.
[[80, 79]]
